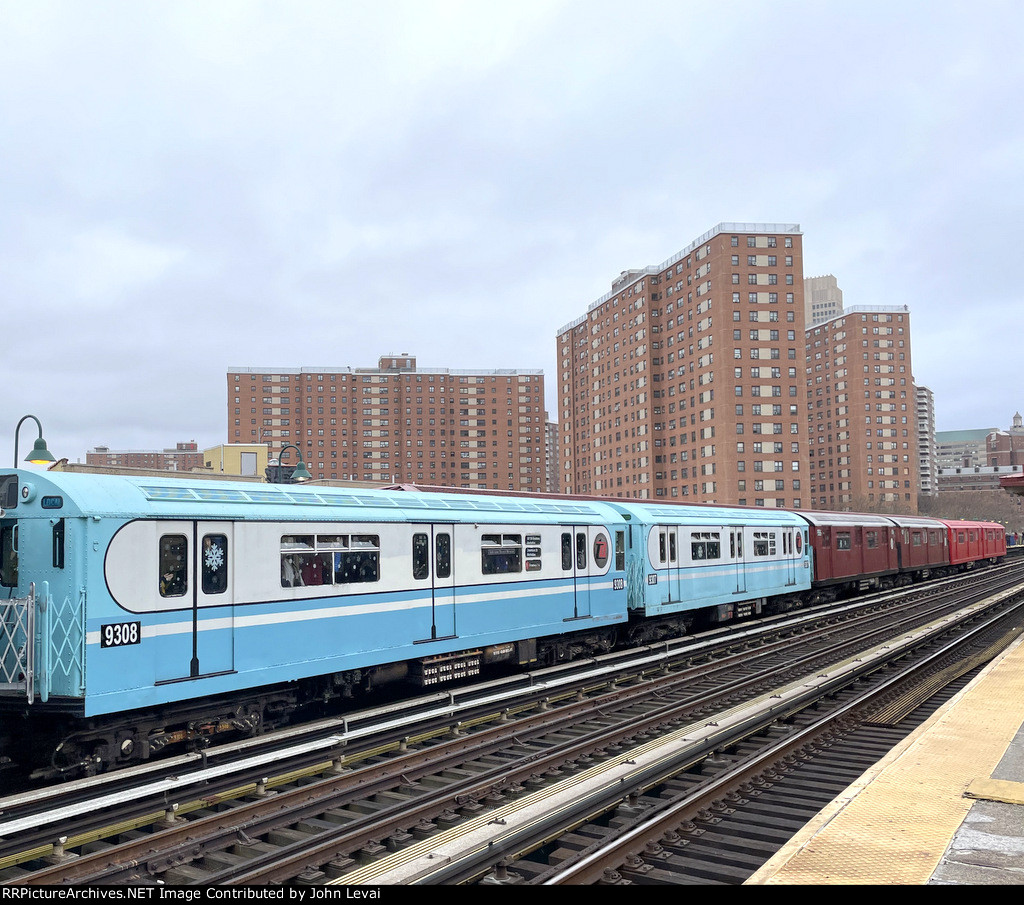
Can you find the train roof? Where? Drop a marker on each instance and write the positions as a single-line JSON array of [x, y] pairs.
[[705, 515], [845, 519], [132, 496], [967, 523]]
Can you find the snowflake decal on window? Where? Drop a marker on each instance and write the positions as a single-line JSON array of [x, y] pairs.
[[214, 558]]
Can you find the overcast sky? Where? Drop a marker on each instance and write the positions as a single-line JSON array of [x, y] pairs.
[[191, 186]]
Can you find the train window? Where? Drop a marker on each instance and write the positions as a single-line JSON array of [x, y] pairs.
[[443, 555], [9, 556], [620, 550], [764, 543], [705, 545], [329, 559], [872, 539], [917, 538], [297, 542], [9, 491], [843, 540], [961, 537], [173, 565], [361, 563], [501, 554], [672, 546], [566, 552], [215, 564], [58, 544], [581, 550], [420, 556], [662, 556]]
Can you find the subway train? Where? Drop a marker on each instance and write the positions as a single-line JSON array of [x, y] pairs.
[[140, 615]]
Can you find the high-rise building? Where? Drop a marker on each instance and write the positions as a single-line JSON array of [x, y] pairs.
[[551, 471], [686, 380], [861, 408], [926, 451], [397, 423], [823, 299]]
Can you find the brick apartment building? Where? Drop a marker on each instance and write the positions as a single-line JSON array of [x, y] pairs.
[[687, 380], [861, 410], [397, 423]]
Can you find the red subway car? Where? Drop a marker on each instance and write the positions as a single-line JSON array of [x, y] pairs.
[[853, 549], [971, 542]]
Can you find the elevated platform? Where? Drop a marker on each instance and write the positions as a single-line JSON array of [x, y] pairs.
[[945, 808]]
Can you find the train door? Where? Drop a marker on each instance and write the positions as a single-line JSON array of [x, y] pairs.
[[737, 557], [577, 544], [196, 562], [432, 556], [668, 562], [790, 554]]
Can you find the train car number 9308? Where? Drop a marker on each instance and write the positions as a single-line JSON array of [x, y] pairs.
[[118, 634]]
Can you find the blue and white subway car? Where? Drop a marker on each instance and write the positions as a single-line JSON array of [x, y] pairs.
[[130, 594], [725, 562]]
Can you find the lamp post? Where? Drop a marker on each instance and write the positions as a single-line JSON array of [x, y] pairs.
[[301, 473], [40, 455]]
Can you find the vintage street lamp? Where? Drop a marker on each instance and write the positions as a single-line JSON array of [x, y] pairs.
[[40, 455], [301, 473]]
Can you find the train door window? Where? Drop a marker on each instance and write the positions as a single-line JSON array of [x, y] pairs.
[[215, 564], [9, 556], [58, 544], [173, 565], [871, 539], [566, 552], [973, 536], [917, 538], [420, 556], [843, 540], [620, 550], [662, 554], [581, 550], [501, 554], [443, 555], [672, 546], [961, 537]]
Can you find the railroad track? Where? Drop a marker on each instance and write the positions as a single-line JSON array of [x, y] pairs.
[[342, 819]]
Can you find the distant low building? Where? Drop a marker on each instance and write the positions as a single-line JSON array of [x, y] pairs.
[[243, 459], [975, 477], [184, 457], [960, 449]]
